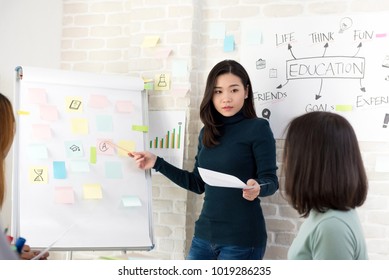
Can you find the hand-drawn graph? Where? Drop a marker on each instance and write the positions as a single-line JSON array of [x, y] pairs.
[[166, 135]]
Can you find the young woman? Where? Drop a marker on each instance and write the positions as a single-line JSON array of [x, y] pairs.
[[233, 141], [7, 132], [325, 181]]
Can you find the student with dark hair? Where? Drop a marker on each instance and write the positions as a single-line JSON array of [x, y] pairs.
[[233, 141], [7, 132], [325, 181]]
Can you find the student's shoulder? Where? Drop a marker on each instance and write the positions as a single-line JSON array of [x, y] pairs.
[[258, 122]]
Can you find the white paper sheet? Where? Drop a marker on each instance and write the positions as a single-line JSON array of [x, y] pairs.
[[218, 179]]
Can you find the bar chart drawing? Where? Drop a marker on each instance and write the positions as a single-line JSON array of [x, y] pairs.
[[171, 140], [166, 135]]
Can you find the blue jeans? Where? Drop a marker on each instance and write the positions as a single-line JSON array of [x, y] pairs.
[[205, 250]]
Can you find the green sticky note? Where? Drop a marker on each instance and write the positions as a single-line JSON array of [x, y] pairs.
[[93, 159], [343, 108], [142, 128]]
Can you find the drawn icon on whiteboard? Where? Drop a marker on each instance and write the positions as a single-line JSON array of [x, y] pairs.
[[266, 113], [273, 73], [74, 148], [386, 121], [345, 23], [260, 64], [104, 146], [39, 177], [75, 104], [385, 63]]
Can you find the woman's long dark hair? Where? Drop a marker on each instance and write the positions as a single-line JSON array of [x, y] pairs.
[[208, 112], [323, 165]]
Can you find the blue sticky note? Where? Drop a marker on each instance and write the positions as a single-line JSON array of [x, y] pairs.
[[131, 201], [104, 123], [74, 149], [229, 43], [37, 151], [79, 166], [113, 170], [59, 169]]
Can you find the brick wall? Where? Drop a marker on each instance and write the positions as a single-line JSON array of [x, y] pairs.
[[106, 37]]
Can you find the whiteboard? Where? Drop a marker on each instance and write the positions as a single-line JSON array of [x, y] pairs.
[[71, 188], [323, 63]]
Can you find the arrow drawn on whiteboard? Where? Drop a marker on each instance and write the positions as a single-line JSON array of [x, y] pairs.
[[325, 49], [359, 48], [321, 85], [290, 49]]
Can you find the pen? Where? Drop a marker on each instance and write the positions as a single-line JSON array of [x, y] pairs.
[[121, 148]]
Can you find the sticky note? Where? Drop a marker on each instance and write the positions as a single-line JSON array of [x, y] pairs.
[[79, 166], [23, 113], [229, 43], [37, 95], [217, 30], [180, 91], [162, 82], [113, 170], [131, 201], [48, 112], [37, 151], [41, 131], [141, 128], [103, 147], [74, 149], [38, 175], [150, 41], [124, 106], [74, 104], [343, 108], [59, 169], [104, 123], [79, 126], [92, 191], [98, 101], [64, 195], [163, 53], [93, 157], [149, 86], [127, 145], [179, 68]]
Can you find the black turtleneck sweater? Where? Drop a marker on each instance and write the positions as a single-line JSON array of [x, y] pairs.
[[246, 150]]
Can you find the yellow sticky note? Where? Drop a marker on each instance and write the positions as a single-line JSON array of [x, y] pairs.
[[20, 112], [150, 41], [125, 145], [343, 108], [38, 175], [162, 82], [79, 126], [74, 104], [92, 191]]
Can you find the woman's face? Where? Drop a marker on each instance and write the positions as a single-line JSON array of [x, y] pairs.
[[229, 94]]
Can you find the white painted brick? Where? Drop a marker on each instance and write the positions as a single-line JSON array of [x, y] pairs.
[[89, 20], [283, 10]]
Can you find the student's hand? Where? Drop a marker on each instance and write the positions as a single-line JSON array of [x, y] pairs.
[[253, 190], [28, 254], [144, 160]]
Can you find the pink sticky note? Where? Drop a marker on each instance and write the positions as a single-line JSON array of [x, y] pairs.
[[41, 131], [48, 112], [124, 106], [98, 101], [104, 148], [64, 195], [37, 95]]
